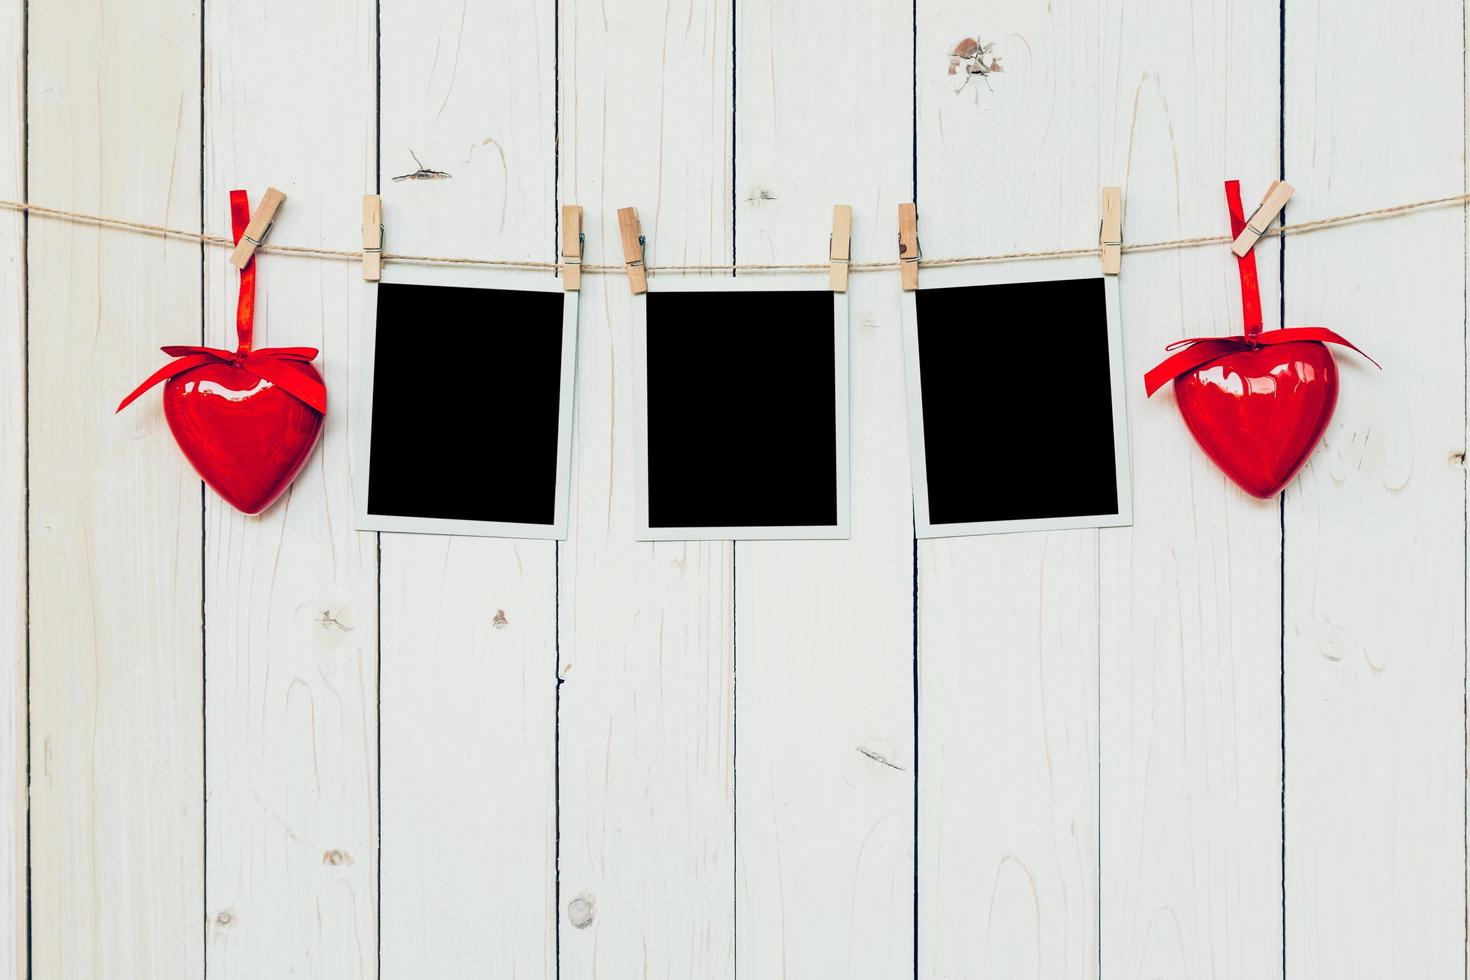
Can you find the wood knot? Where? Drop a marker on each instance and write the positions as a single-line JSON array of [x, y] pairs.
[[225, 918], [336, 856], [973, 58], [581, 910], [328, 621], [500, 622]]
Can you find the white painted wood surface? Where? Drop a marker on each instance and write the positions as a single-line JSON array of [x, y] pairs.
[[1375, 590], [1065, 754], [824, 631], [12, 499], [291, 596], [646, 629], [1189, 680], [469, 624], [1008, 624], [116, 632]]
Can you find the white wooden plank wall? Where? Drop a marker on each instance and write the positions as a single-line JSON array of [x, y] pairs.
[[1229, 741]]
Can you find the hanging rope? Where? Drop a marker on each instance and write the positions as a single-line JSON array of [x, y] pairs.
[[161, 231]]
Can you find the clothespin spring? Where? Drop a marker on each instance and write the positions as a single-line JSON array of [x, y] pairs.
[[257, 242]]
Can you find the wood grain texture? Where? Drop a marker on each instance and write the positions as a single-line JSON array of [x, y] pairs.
[[12, 497], [1190, 720], [1375, 567], [291, 595], [824, 653], [646, 629], [469, 624], [1099, 752], [1008, 624], [115, 633]]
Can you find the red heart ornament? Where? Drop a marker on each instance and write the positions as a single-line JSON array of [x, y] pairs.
[[1259, 413], [1256, 403], [246, 437], [248, 419]]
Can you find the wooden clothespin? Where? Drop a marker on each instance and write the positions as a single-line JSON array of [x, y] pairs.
[[571, 247], [372, 237], [1110, 231], [841, 245], [259, 227], [1260, 220], [633, 242], [908, 245]]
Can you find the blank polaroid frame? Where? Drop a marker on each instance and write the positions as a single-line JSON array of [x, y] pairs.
[[471, 446], [1016, 315], [695, 460]]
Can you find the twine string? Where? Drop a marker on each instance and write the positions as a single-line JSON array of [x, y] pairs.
[[162, 231]]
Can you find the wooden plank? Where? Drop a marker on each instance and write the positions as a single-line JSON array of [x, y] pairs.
[[1008, 624], [824, 655], [469, 833], [12, 497], [116, 737], [469, 625], [1190, 721], [291, 596], [1375, 563], [647, 814]]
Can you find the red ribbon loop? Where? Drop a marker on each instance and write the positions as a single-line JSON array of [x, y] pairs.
[[1196, 352], [268, 363]]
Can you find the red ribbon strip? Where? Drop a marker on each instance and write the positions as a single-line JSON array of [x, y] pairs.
[[1250, 284], [268, 363], [1199, 351]]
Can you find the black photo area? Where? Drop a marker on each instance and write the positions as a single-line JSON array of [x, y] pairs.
[[1017, 397], [742, 419], [466, 394]]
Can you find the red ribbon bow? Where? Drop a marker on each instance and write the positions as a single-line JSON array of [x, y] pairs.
[[268, 363], [1199, 351]]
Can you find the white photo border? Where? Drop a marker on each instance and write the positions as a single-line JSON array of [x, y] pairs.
[[1054, 270], [468, 278], [842, 377]]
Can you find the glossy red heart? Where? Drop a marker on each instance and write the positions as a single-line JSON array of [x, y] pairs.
[[1259, 413], [246, 437]]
